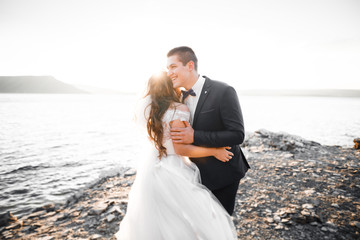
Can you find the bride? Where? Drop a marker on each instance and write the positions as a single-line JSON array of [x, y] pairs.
[[167, 200]]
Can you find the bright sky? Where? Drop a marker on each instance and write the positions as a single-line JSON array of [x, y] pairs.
[[248, 44]]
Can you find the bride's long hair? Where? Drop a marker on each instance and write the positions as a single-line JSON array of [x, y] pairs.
[[163, 95]]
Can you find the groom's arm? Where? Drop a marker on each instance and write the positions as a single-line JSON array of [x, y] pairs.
[[232, 119]]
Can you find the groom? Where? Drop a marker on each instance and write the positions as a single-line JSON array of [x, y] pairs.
[[216, 121]]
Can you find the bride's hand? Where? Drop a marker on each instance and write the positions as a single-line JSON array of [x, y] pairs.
[[223, 154]]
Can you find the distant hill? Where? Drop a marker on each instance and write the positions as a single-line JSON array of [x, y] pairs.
[[302, 92], [35, 84]]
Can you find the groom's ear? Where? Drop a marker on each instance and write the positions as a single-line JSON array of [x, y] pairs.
[[190, 65]]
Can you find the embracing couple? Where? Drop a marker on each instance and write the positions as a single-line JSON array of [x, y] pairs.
[[186, 188]]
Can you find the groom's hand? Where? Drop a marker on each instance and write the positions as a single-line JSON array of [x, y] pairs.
[[183, 135]]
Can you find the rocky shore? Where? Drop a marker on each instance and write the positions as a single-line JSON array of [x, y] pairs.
[[295, 189]]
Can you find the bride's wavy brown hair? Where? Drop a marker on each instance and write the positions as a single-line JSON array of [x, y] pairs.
[[163, 95]]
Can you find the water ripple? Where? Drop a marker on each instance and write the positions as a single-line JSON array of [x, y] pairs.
[[27, 168], [19, 191]]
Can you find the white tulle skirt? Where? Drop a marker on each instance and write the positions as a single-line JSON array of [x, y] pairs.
[[167, 202]]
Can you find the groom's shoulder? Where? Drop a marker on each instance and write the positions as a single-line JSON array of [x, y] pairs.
[[217, 83]]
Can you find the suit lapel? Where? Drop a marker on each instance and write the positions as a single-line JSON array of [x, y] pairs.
[[204, 93]]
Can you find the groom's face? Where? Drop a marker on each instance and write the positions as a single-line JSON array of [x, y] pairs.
[[178, 73]]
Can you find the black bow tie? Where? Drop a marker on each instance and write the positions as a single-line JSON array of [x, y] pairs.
[[187, 93]]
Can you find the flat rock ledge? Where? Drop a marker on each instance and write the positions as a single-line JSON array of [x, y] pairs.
[[295, 189]]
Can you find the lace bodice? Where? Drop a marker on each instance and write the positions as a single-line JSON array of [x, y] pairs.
[[170, 115]]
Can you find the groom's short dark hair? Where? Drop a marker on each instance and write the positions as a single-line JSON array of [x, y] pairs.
[[185, 55]]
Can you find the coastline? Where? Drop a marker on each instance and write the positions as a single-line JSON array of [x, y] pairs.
[[295, 189]]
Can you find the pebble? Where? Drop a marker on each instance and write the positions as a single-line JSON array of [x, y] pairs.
[[355, 223], [110, 217], [285, 220], [305, 212], [309, 191], [130, 172], [95, 237], [277, 219], [330, 224], [98, 209], [279, 226], [47, 238], [308, 206], [116, 209]]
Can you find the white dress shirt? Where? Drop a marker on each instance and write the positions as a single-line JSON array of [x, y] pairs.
[[191, 101]]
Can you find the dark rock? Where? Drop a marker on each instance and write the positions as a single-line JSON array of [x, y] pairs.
[[48, 208], [299, 218], [7, 218], [63, 216]]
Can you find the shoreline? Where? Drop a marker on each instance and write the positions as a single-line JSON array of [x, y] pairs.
[[295, 189]]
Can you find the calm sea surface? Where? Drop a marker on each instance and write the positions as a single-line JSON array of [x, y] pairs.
[[53, 145]]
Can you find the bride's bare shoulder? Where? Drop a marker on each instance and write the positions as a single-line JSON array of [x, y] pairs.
[[181, 107]]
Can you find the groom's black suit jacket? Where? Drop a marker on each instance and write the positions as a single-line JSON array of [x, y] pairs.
[[218, 122]]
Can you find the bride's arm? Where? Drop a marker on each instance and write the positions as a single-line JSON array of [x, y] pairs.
[[189, 150]]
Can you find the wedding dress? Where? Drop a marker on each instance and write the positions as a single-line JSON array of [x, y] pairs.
[[168, 202]]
